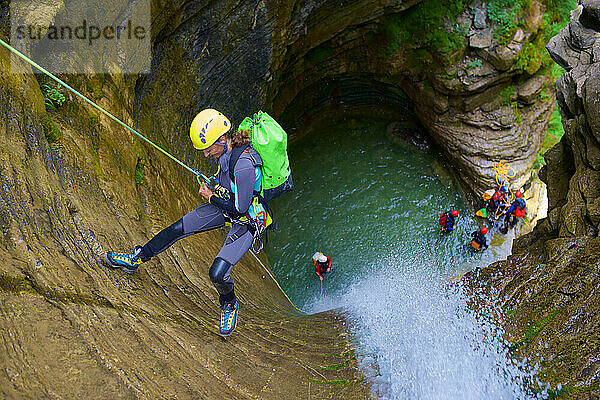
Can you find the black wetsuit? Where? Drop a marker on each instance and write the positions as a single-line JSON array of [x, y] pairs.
[[322, 267], [214, 215], [479, 239]]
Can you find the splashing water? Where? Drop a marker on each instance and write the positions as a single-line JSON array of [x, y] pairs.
[[373, 207], [419, 340]]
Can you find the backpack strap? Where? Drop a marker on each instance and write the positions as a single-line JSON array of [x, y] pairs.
[[236, 152]]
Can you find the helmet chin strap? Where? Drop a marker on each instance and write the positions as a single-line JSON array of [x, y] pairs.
[[224, 147]]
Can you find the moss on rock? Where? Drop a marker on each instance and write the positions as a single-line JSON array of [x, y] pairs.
[[51, 131]]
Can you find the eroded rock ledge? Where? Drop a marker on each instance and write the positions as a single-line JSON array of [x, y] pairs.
[[549, 286]]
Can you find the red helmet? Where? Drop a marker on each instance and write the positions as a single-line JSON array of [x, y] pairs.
[[518, 194], [454, 213], [483, 230]]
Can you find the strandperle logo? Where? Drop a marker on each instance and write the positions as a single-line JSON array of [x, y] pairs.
[[108, 36], [84, 31]]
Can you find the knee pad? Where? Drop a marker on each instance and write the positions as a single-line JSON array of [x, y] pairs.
[[217, 272], [176, 229]]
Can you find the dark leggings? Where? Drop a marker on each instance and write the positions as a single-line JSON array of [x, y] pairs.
[[202, 219]]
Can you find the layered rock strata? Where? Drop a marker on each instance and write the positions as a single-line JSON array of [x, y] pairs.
[[549, 287], [481, 109]]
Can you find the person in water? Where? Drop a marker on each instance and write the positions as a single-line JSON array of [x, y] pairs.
[[517, 210], [210, 133], [322, 264], [499, 201], [478, 241], [448, 221]]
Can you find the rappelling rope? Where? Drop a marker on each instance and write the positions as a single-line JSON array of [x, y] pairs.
[[198, 174], [504, 172], [9, 47], [321, 296], [277, 283]]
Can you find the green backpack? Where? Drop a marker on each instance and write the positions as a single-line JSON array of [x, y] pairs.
[[270, 141]]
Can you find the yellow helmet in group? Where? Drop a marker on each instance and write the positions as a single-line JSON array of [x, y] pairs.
[[207, 127]]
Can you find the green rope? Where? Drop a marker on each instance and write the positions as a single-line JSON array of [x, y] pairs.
[[9, 47], [198, 174], [277, 283], [321, 297]]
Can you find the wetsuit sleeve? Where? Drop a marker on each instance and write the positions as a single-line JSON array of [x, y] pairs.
[[483, 241], [244, 175], [512, 207], [227, 206], [480, 238]]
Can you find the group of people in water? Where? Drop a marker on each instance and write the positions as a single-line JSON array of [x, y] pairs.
[[500, 205]]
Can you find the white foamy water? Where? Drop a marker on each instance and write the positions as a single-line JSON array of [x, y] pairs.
[[417, 338]]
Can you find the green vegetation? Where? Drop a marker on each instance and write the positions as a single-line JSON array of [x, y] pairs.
[[566, 392], [95, 84], [138, 175], [52, 96], [431, 28], [334, 367], [533, 329], [338, 382], [423, 25], [556, 71], [530, 60], [506, 95], [51, 131], [511, 313], [556, 16], [504, 16], [474, 63]]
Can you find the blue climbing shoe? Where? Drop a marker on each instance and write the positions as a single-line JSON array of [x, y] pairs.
[[228, 318], [128, 262]]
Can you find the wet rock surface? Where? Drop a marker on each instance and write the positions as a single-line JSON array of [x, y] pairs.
[[548, 287], [74, 184]]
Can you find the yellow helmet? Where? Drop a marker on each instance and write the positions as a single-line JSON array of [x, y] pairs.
[[207, 127]]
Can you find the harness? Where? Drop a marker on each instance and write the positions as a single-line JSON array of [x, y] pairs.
[[475, 245]]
